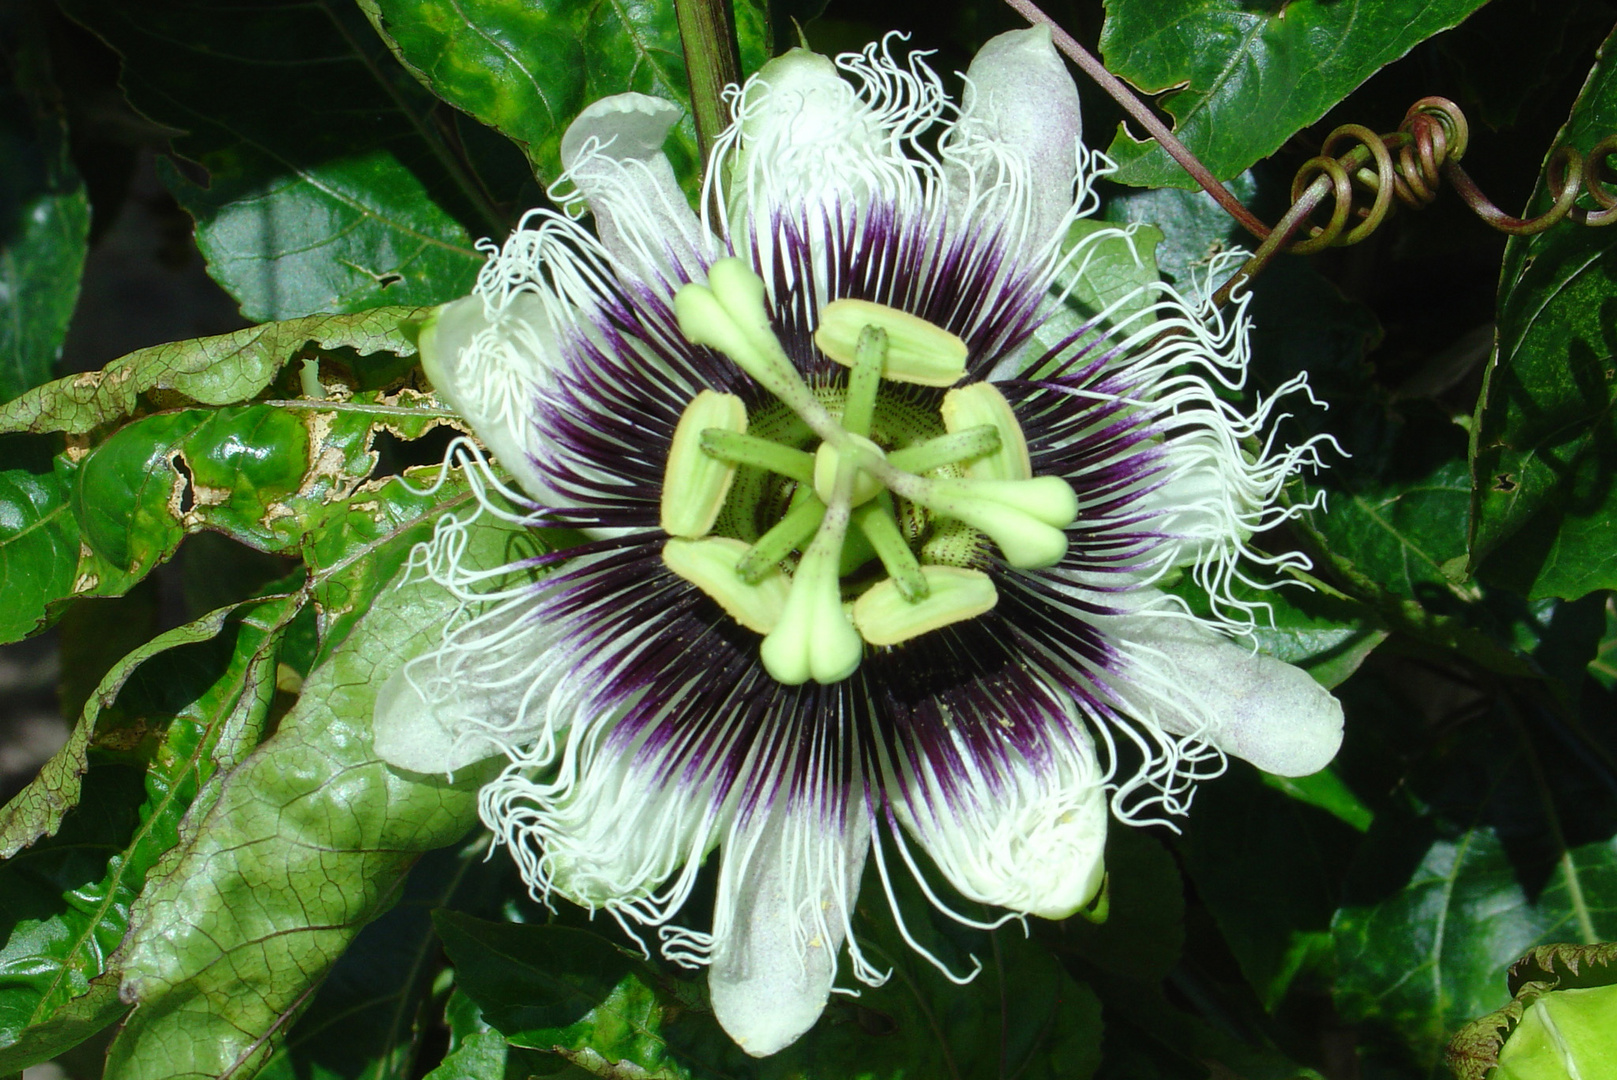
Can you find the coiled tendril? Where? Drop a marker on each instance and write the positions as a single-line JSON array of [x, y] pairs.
[[1410, 166]]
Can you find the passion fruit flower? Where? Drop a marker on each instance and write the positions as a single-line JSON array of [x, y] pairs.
[[864, 567]]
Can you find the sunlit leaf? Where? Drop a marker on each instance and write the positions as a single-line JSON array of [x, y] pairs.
[[307, 842], [527, 69], [219, 370], [189, 706], [1242, 78], [369, 1018], [329, 185]]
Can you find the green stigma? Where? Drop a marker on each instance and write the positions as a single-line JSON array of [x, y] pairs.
[[782, 517]]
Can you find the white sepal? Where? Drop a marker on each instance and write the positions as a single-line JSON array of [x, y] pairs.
[[1011, 155], [1192, 681], [613, 154], [786, 888], [489, 369]]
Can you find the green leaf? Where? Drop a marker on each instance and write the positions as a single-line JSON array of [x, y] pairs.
[[1269, 868], [219, 370], [39, 808], [1327, 791], [1115, 267], [1541, 457], [37, 924], [562, 990], [1405, 535], [1195, 229], [44, 218], [186, 708], [1302, 621], [308, 841], [1604, 666], [1244, 78], [476, 1050], [39, 537], [330, 186], [366, 1020], [1397, 492], [527, 69], [1433, 955], [268, 475]]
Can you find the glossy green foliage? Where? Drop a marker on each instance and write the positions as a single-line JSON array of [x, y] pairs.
[[1428, 958], [1542, 457], [527, 69], [94, 523], [44, 212], [1497, 843], [362, 201], [1245, 77]]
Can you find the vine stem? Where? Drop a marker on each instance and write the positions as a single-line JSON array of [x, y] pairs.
[[1143, 115], [712, 62]]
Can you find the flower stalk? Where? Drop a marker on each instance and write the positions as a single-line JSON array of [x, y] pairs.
[[712, 61]]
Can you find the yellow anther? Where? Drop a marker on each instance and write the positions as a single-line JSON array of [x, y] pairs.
[[695, 483], [917, 351], [710, 565], [883, 616]]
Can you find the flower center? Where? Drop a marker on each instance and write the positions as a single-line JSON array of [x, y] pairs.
[[920, 506]]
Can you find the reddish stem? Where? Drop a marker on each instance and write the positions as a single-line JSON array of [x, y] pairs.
[[1144, 117]]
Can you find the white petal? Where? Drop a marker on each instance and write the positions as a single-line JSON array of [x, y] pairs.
[[1193, 681], [1032, 841], [787, 885], [489, 371], [1015, 144], [613, 153]]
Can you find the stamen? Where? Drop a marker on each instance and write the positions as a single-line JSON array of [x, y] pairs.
[[869, 359], [884, 616], [788, 534], [730, 314], [694, 483], [759, 453], [1025, 518], [814, 638], [973, 442], [710, 565], [875, 519], [917, 351], [966, 407]]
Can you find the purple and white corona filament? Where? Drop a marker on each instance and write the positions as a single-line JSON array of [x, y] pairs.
[[875, 557]]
